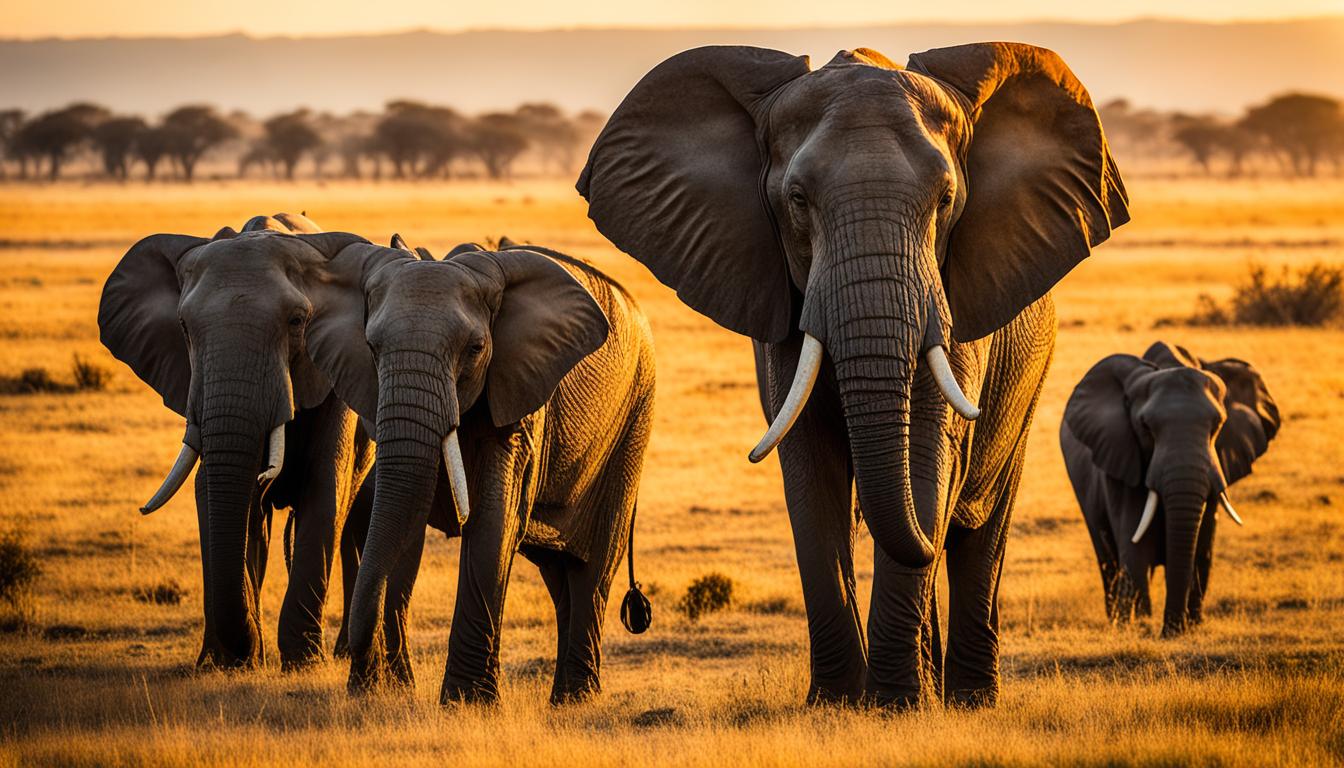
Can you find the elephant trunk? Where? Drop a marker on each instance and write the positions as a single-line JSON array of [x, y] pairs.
[[232, 455], [1185, 492], [239, 408], [875, 328], [411, 427]]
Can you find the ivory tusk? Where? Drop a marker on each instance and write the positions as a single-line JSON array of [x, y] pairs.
[[276, 462], [1149, 512], [186, 459], [947, 384], [1227, 505], [457, 476], [809, 365]]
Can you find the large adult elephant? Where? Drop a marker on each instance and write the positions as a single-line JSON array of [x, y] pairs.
[[217, 327], [1151, 445], [511, 393], [888, 237]]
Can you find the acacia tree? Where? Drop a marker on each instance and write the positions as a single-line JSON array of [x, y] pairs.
[[290, 136], [554, 136], [1304, 128], [150, 147], [415, 136], [497, 141], [193, 130], [55, 133], [115, 139]]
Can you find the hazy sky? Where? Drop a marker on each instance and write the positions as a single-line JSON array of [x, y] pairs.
[[85, 18]]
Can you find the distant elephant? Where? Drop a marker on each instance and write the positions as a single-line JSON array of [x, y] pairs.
[[888, 236], [1165, 434], [531, 375], [217, 328]]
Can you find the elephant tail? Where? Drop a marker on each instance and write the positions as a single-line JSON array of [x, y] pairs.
[[636, 612]]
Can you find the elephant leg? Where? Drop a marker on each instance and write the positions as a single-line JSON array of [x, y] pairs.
[[1203, 562], [818, 482], [1132, 600], [557, 584], [314, 543], [258, 552], [1108, 562], [904, 646], [501, 506], [397, 610], [353, 534], [974, 566], [589, 583]]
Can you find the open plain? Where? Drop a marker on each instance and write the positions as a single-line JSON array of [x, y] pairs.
[[102, 676]]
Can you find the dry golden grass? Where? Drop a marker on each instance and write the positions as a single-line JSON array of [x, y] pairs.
[[105, 678]]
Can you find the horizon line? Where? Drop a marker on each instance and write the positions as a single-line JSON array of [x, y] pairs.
[[395, 31]]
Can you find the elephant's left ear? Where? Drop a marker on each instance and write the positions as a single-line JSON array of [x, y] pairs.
[[1043, 188], [1252, 416], [547, 322]]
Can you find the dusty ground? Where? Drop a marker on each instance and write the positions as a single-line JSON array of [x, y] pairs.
[[105, 678]]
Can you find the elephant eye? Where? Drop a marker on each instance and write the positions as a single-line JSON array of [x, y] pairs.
[[797, 197], [297, 319], [476, 348], [946, 202]]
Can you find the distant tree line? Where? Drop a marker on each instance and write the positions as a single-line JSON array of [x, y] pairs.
[[408, 139], [1296, 134]]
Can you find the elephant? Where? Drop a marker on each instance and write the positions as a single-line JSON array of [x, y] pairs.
[[888, 237], [510, 393], [1167, 434], [217, 327]]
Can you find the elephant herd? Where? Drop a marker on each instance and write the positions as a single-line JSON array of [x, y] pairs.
[[888, 237]]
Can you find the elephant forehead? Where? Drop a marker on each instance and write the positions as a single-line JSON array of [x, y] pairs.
[[433, 283], [1196, 388], [249, 253]]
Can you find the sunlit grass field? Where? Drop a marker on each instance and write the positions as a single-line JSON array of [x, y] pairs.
[[104, 678]]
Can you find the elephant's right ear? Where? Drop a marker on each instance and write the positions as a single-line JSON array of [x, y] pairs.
[[335, 337], [674, 180], [138, 320], [1098, 415], [1252, 416]]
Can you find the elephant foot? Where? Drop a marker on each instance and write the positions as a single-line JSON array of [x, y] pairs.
[[973, 698], [833, 694], [341, 650], [216, 657], [894, 701], [1174, 629], [399, 671], [480, 692], [573, 694], [301, 662]]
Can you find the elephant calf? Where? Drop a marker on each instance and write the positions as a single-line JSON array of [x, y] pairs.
[[531, 375], [1158, 439]]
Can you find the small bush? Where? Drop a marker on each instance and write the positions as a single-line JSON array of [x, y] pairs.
[[709, 593], [166, 592], [90, 376], [18, 570], [34, 380], [1312, 297]]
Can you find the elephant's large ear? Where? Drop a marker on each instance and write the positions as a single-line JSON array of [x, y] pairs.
[[137, 316], [1252, 416], [547, 322], [335, 336], [1042, 185], [674, 180], [1098, 415]]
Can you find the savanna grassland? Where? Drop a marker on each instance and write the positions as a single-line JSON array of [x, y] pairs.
[[104, 676]]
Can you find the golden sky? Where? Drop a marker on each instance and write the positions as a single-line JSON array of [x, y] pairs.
[[85, 18]]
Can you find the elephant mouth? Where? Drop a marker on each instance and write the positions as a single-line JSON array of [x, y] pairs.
[[188, 457]]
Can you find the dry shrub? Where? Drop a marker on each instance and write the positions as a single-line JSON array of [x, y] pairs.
[[166, 592], [1312, 297], [90, 376], [709, 593]]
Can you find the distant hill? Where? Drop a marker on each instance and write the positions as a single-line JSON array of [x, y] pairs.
[[1164, 64]]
